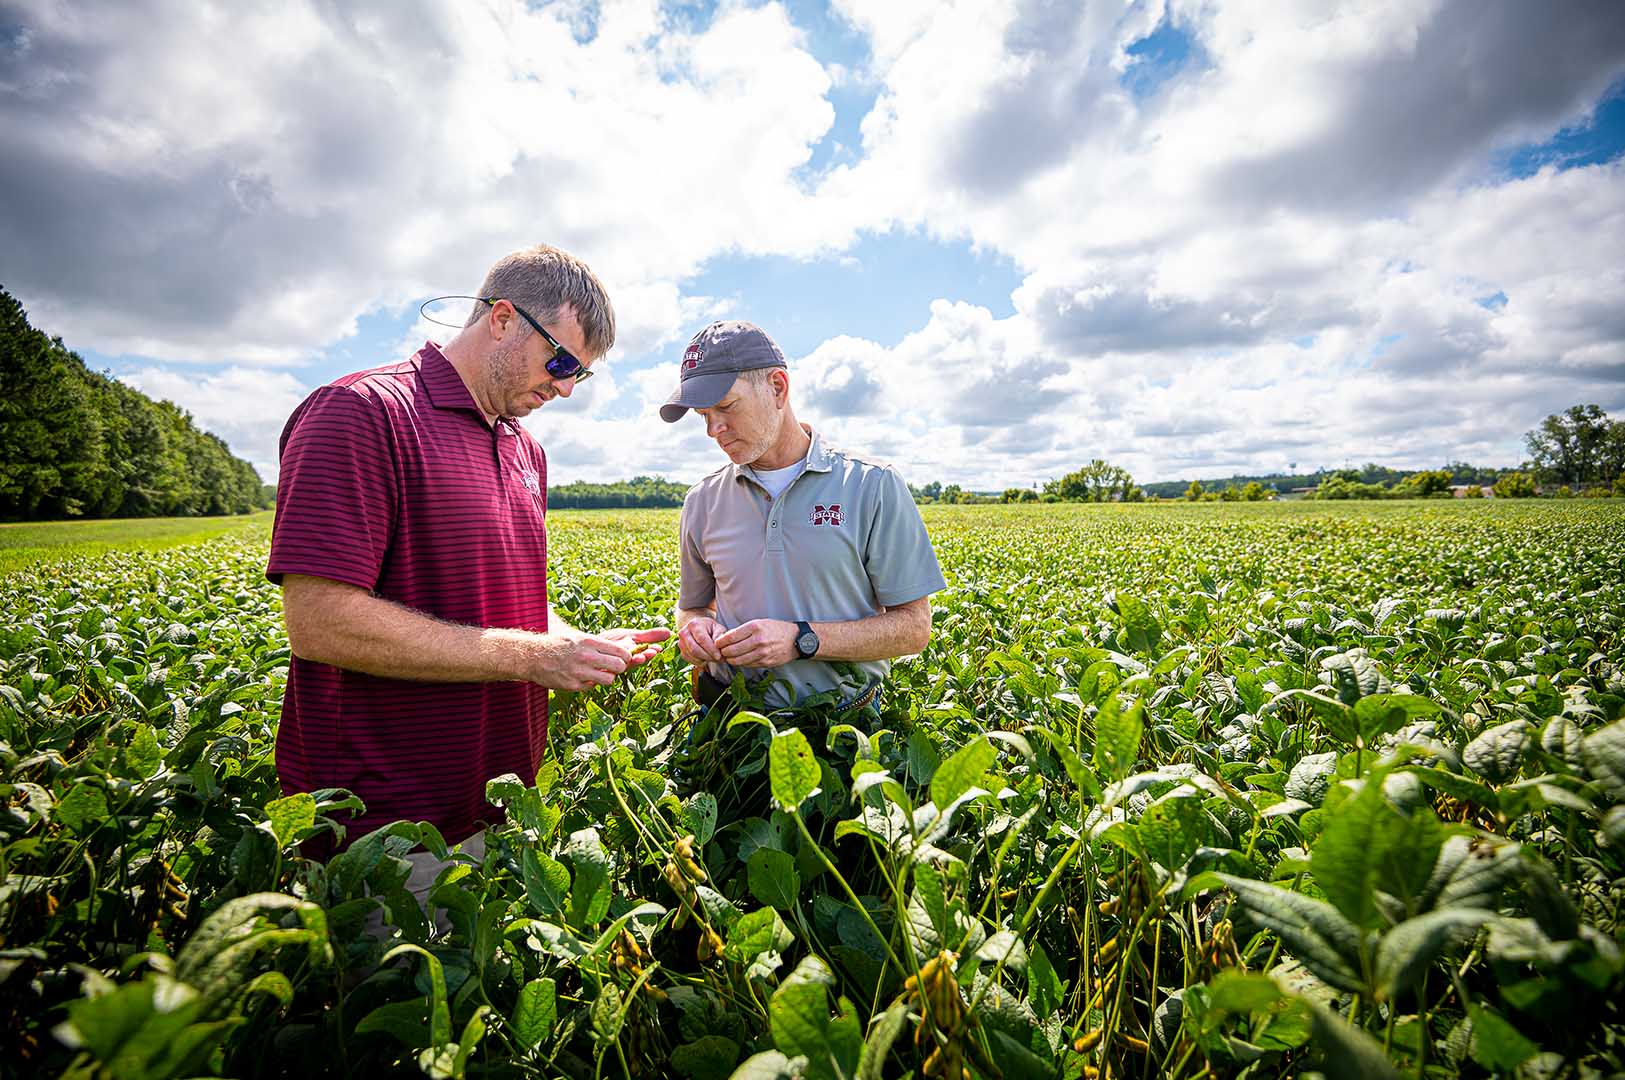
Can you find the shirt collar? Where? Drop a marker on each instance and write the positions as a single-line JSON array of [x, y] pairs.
[[445, 387]]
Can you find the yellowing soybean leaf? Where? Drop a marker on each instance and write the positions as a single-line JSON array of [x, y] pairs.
[[290, 814], [792, 769]]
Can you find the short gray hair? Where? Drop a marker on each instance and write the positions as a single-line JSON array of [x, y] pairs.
[[758, 377], [543, 280]]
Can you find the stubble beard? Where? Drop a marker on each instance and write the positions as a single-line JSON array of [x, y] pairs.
[[504, 371]]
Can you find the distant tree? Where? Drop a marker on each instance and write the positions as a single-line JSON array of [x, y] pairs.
[[1345, 484], [1619, 485], [1576, 446], [1231, 493], [1516, 485], [1473, 491], [1254, 492], [77, 442], [640, 491], [1019, 495], [1098, 481], [1420, 485], [932, 491], [1194, 492]]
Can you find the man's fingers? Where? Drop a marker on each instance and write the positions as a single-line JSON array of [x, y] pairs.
[[737, 634]]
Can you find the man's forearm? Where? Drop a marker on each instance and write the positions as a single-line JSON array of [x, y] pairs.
[[897, 631], [353, 629]]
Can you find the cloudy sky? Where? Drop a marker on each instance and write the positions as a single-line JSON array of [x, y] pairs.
[[997, 238]]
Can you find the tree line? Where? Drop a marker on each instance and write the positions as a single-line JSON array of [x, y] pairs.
[[640, 491], [78, 443]]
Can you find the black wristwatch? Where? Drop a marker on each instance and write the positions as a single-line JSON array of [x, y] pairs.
[[806, 640]]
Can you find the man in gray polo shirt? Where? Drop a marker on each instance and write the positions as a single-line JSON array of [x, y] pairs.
[[795, 555]]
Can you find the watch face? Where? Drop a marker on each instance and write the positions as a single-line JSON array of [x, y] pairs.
[[807, 643]]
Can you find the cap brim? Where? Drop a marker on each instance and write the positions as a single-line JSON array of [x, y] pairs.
[[698, 392]]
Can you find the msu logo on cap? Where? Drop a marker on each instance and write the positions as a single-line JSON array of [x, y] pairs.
[[692, 357], [828, 515]]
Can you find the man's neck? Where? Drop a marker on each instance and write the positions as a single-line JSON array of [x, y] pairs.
[[789, 448], [469, 366]]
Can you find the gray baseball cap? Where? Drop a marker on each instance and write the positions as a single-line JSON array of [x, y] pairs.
[[713, 360]]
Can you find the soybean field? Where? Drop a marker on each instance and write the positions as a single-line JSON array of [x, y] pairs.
[[1176, 791]]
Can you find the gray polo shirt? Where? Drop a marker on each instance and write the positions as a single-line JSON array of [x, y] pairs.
[[840, 543]]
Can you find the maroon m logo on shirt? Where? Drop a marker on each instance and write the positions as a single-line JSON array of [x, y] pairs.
[[828, 515]]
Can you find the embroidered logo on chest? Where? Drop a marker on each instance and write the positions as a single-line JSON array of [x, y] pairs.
[[532, 482], [828, 515]]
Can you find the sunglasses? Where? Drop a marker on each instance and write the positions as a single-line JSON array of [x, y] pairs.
[[564, 364]]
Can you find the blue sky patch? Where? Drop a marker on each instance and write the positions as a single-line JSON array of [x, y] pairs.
[[1599, 138], [880, 289], [1158, 57]]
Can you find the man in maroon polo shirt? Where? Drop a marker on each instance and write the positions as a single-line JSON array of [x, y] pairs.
[[411, 546]]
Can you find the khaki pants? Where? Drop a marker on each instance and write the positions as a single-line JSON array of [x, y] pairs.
[[425, 868]]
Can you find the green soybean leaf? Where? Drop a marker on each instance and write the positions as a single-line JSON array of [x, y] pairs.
[[1350, 1054], [1006, 948], [406, 1021], [1471, 872], [773, 878], [758, 932], [473, 1032], [439, 1010], [607, 1014], [547, 883], [1498, 753], [962, 771], [1172, 829], [1044, 987], [792, 769], [536, 1012], [1496, 1044], [1368, 845], [143, 755], [1311, 778], [1355, 675], [1117, 737], [83, 809], [589, 891], [889, 1025], [1564, 739], [1312, 930], [1407, 950], [1604, 755], [1242, 992], [1383, 714], [700, 816], [799, 1017], [289, 815], [710, 1057], [1141, 630]]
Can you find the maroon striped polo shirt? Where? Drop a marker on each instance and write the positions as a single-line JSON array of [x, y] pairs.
[[393, 481]]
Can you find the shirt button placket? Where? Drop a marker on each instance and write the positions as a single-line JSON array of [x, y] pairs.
[[775, 536]]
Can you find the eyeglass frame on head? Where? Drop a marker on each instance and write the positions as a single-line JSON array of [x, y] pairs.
[[564, 364]]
